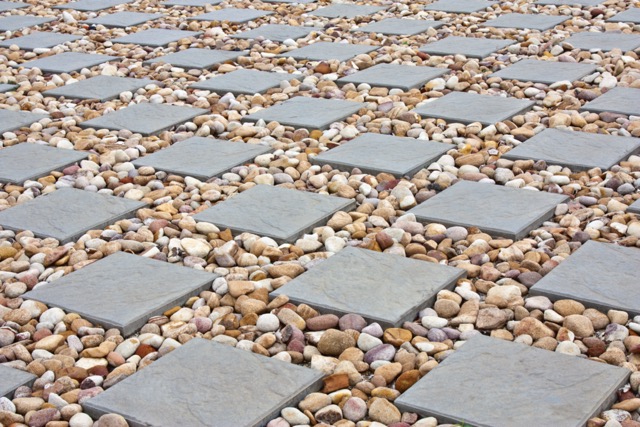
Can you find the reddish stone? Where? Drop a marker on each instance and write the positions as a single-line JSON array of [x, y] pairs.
[[144, 349]]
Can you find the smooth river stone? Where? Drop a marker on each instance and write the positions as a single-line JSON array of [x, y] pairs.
[[11, 379], [29, 161], [544, 71], [102, 88]]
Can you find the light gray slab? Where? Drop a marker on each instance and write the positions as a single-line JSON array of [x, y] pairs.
[[460, 6], [497, 210], [338, 10], [472, 47], [399, 26], [156, 37], [467, 107], [231, 14], [102, 88], [544, 71], [290, 1], [276, 33], [146, 119], [373, 153], [244, 82], [382, 288], [11, 120], [67, 62], [198, 58], [6, 87], [11, 379], [25, 161], [404, 77], [202, 158], [279, 213], [325, 51], [216, 385], [309, 113], [589, 40], [92, 5], [629, 15], [506, 384], [576, 150], [194, 3], [6, 6], [622, 100], [68, 213], [582, 3], [539, 22], [123, 290], [38, 39], [123, 19], [18, 22], [635, 207]]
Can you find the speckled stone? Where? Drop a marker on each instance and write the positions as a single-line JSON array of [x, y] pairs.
[[11, 379], [472, 47], [25, 161]]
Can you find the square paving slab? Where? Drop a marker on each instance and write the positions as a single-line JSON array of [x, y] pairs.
[[6, 87], [576, 150], [68, 62], [466, 107], [11, 5], [198, 58], [156, 37], [497, 210], [25, 161], [18, 22], [622, 100], [472, 47], [325, 51], [92, 5], [68, 213], [202, 158], [571, 2], [399, 26], [290, 1], [629, 15], [460, 6], [231, 15], [102, 88], [506, 384], [588, 40], [195, 3], [145, 119], [276, 33], [526, 21], [244, 82], [221, 386], [373, 153], [279, 213], [404, 77], [544, 71], [11, 379], [309, 113], [600, 275], [39, 40], [11, 120], [635, 207], [123, 19], [349, 11], [382, 288], [123, 290]]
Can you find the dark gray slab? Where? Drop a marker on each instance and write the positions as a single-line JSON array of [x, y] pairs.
[[529, 21], [466, 107], [146, 119], [18, 22], [25, 161], [198, 58], [371, 288], [544, 71], [304, 112], [472, 47], [622, 100], [232, 15], [497, 210], [506, 384], [325, 51], [102, 88], [576, 150], [92, 5], [276, 33], [404, 77], [373, 153], [11, 379], [67, 62], [399, 26], [460, 6], [6, 87], [282, 214], [37, 40], [635, 207], [68, 213], [123, 19], [588, 40], [629, 15], [10, 120], [156, 37], [123, 290], [202, 158], [346, 11], [244, 82], [215, 383], [195, 3], [11, 5], [570, 2]]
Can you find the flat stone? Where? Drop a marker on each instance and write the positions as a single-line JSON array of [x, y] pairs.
[[372, 286], [399, 26], [392, 76], [11, 379], [146, 119], [346, 11], [123, 290], [102, 88], [526, 21], [467, 107], [6, 6], [6, 87], [544, 71], [37, 40], [588, 40], [460, 6], [244, 82], [198, 58], [511, 384], [497, 210], [576, 150], [68, 62], [92, 5], [634, 207], [472, 47], [123, 19], [202, 158], [629, 15], [309, 113], [28, 161], [276, 33], [325, 51], [156, 37], [18, 22], [587, 276], [231, 15], [194, 3], [290, 1], [211, 383], [68, 213], [373, 153], [279, 213], [11, 120], [621, 100], [582, 3]]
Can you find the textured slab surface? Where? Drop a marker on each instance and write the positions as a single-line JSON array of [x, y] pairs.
[[506, 384], [635, 207], [382, 288], [18, 22], [11, 5], [123, 19], [6, 87], [629, 15], [290, 1], [472, 47], [11, 379], [232, 15], [92, 5], [202, 158], [244, 81], [213, 384], [622, 100], [198, 58], [521, 20], [156, 37], [25, 161], [146, 119], [374, 153], [196, 3], [67, 213], [459, 6], [404, 77], [345, 11], [39, 39], [275, 212], [400, 26], [102, 88], [576, 150], [497, 210], [68, 62], [10, 120], [123, 290], [466, 107], [324, 51], [570, 2], [544, 71], [276, 33], [604, 41]]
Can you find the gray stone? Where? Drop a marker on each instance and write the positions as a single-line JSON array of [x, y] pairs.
[[635, 207], [325, 51], [349, 11], [621, 100], [404, 77], [600, 275], [576, 150], [146, 119], [290, 1], [304, 112], [231, 15], [544, 71], [373, 153], [6, 6], [380, 287], [195, 3], [582, 3], [588, 40], [198, 58], [244, 82], [279, 213], [497, 210], [6, 87], [460, 6], [11, 120], [510, 384], [205, 383], [92, 5], [123, 290], [68, 62], [18, 22], [526, 21], [39, 40], [399, 26], [102, 88], [467, 107], [31, 161], [11, 379], [123, 19], [202, 158], [472, 47], [629, 15], [275, 32], [156, 37]]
